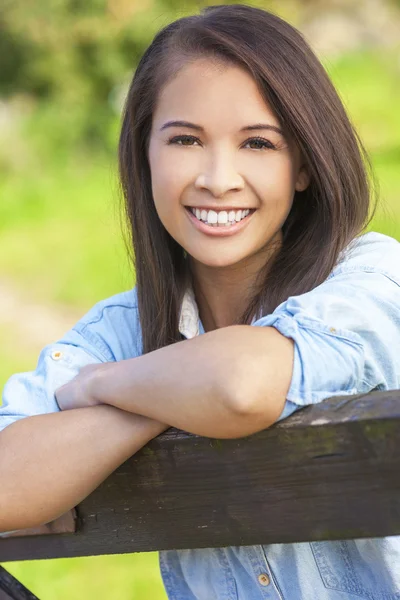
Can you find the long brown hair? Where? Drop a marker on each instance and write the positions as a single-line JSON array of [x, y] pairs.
[[324, 218]]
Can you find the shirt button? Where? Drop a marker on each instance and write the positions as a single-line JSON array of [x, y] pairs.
[[264, 579], [332, 329], [56, 355]]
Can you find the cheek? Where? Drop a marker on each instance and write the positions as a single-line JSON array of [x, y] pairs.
[[169, 177], [275, 183]]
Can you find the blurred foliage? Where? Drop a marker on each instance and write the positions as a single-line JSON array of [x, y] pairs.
[[79, 56], [74, 54], [68, 62]]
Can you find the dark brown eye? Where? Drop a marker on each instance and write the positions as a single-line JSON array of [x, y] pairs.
[[183, 140], [260, 144]]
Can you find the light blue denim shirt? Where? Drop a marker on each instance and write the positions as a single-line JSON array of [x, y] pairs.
[[347, 341]]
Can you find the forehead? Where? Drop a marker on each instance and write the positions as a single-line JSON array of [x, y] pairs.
[[210, 91]]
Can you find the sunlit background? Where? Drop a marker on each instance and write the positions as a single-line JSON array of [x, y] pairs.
[[64, 70]]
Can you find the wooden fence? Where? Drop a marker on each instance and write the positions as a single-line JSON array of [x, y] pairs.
[[330, 471]]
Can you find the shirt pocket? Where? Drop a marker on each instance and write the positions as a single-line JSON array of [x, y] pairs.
[[365, 568], [198, 574]]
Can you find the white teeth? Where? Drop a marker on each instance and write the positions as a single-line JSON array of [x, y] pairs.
[[212, 216], [223, 216]]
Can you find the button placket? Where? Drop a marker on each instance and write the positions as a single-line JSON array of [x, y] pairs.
[[269, 575], [263, 577]]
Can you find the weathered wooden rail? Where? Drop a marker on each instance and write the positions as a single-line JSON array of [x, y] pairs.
[[330, 471]]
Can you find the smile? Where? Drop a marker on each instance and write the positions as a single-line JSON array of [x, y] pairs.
[[221, 217], [219, 223]]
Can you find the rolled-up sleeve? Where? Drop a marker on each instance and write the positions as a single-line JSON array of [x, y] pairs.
[[346, 336], [110, 331], [32, 393]]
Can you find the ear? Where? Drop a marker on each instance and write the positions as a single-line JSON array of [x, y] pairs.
[[303, 180]]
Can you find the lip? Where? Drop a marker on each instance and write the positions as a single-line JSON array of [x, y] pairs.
[[218, 231]]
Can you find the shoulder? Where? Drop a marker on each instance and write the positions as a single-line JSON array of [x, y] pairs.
[[363, 287], [371, 252], [111, 326]]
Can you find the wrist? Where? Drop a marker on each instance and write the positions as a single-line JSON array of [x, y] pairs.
[[98, 384]]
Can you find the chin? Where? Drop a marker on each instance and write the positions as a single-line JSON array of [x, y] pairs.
[[216, 262]]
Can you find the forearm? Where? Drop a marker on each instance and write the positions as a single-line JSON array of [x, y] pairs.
[[49, 463], [200, 385]]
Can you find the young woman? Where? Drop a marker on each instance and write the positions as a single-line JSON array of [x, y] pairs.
[[246, 191]]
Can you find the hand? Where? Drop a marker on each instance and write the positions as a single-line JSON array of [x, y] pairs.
[[77, 392]]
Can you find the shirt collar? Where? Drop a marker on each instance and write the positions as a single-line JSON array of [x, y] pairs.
[[189, 320], [190, 324]]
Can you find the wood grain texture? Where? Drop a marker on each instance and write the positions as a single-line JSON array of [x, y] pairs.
[[330, 471]]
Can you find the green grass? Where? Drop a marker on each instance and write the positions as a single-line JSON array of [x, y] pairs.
[[59, 234], [117, 577], [369, 85]]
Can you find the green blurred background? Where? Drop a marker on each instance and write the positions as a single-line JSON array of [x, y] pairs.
[[64, 70]]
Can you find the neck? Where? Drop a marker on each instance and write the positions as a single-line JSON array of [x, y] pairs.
[[223, 293]]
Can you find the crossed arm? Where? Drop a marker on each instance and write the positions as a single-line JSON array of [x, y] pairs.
[[227, 383]]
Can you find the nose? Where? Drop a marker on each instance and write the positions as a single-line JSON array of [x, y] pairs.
[[219, 176]]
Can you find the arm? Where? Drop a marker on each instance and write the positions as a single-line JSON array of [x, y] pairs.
[[227, 383], [51, 462]]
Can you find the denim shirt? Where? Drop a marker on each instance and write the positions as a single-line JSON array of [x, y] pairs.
[[347, 341]]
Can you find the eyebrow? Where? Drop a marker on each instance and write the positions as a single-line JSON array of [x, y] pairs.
[[189, 125]]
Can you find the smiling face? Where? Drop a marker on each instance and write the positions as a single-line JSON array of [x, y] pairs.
[[215, 145]]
